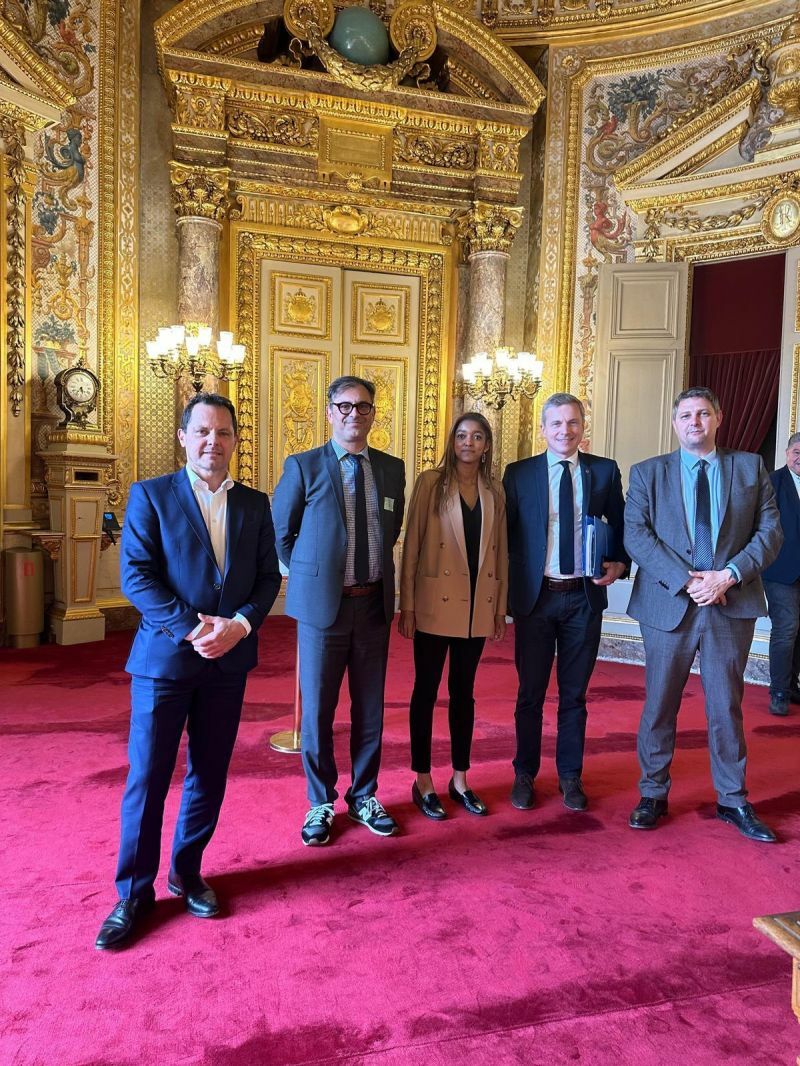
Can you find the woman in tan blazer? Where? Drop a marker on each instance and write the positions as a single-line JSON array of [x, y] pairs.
[[453, 586]]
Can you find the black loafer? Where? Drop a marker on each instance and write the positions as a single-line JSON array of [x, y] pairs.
[[119, 925], [747, 822], [572, 791], [779, 705], [646, 813], [468, 800], [201, 899], [429, 804]]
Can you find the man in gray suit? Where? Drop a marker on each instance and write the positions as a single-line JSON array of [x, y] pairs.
[[338, 511], [701, 522]]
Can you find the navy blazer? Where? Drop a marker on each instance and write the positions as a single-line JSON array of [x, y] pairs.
[[528, 511], [169, 574], [786, 568], [311, 530]]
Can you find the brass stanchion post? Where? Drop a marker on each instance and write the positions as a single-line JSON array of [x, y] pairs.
[[288, 740]]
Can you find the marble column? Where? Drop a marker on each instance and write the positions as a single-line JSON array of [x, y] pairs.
[[487, 232], [200, 198]]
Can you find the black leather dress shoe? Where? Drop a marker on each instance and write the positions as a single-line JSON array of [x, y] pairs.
[[572, 791], [468, 800], [646, 813], [747, 822], [779, 704], [794, 695], [201, 899], [119, 925], [522, 793], [429, 804]]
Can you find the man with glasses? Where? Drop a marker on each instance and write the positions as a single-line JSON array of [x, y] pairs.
[[338, 510]]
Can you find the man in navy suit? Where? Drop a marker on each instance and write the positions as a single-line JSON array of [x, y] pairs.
[[198, 561], [338, 513], [555, 605], [782, 586]]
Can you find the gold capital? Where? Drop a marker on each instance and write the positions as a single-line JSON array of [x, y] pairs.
[[488, 227], [199, 192]]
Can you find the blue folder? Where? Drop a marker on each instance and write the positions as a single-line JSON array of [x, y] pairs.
[[598, 545]]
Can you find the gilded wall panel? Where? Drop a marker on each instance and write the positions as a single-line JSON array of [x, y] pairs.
[[299, 380], [301, 305], [390, 378], [380, 314]]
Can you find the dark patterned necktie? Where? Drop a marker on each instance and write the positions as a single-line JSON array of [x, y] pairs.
[[703, 556], [566, 521], [361, 553]]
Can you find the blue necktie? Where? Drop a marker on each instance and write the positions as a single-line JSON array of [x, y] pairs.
[[361, 552], [703, 556], [566, 521]]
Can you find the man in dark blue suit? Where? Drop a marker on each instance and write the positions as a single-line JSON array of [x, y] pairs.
[[555, 606], [782, 586], [338, 513], [198, 562]]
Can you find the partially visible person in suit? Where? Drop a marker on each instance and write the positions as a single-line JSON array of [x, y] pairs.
[[198, 561], [556, 607], [338, 513], [782, 586], [453, 585], [702, 524]]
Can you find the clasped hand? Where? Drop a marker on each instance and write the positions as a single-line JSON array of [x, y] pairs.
[[217, 636], [708, 587]]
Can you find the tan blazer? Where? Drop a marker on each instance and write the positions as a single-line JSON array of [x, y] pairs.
[[434, 579]]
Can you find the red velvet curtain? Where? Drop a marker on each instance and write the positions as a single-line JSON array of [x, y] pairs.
[[747, 386]]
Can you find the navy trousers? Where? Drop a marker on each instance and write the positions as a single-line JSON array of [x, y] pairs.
[[209, 708], [784, 640], [560, 622]]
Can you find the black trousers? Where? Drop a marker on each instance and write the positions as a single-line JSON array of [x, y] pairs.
[[430, 652], [563, 622]]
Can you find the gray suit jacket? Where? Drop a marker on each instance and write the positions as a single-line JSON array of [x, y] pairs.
[[657, 536], [311, 530]]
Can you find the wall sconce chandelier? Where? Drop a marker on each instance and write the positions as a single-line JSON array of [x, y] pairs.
[[189, 350], [502, 375]]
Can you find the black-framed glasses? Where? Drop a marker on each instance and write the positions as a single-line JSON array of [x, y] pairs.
[[345, 407]]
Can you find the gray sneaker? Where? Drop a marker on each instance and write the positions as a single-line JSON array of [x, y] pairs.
[[370, 812], [317, 825]]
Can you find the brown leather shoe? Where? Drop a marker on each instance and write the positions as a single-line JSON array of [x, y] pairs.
[[522, 796]]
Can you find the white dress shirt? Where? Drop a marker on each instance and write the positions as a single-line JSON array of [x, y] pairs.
[[554, 472], [214, 509]]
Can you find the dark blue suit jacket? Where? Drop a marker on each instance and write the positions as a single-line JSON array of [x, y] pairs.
[[311, 530], [786, 568], [528, 510], [169, 574]]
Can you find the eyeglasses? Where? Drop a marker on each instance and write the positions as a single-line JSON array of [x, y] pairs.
[[345, 407]]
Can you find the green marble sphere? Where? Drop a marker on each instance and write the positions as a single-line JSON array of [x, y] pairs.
[[360, 36]]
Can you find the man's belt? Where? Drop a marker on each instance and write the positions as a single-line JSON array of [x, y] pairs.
[[564, 584], [362, 590]]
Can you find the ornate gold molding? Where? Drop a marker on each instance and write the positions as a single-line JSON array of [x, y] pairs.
[[431, 151], [489, 227], [275, 127], [199, 192], [13, 136], [43, 77], [688, 221], [199, 100]]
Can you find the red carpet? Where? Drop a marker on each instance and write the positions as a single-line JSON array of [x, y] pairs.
[[541, 937]]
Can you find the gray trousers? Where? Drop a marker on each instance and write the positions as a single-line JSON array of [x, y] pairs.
[[357, 642], [723, 643]]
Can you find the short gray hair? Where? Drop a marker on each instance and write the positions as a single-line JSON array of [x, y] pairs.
[[696, 392], [349, 381], [560, 399], [794, 439]]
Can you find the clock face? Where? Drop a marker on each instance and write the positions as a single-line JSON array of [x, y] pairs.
[[80, 387], [785, 218]]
